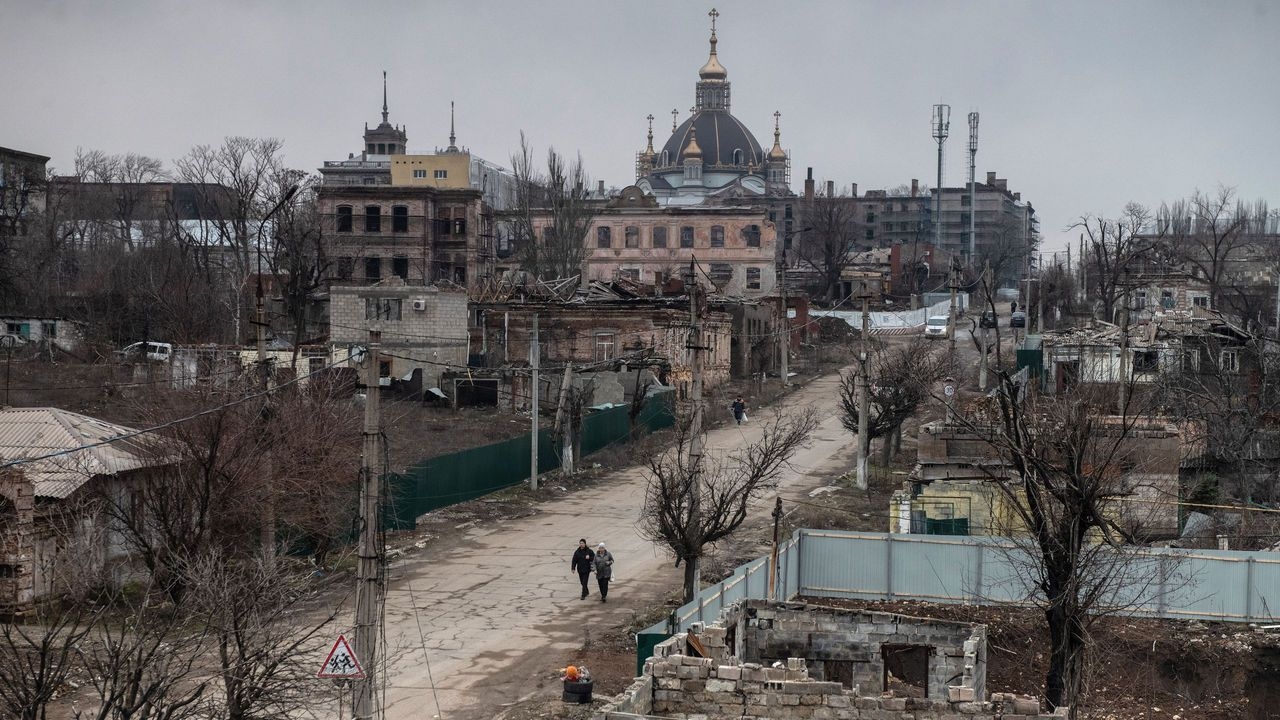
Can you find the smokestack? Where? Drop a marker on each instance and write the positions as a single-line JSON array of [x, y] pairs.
[[915, 187], [991, 178], [831, 188], [853, 190], [808, 186]]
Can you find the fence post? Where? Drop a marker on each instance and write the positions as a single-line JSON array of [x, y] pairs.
[[702, 606], [1248, 591], [799, 546], [888, 566], [977, 565]]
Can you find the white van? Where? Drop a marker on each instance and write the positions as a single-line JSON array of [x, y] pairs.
[[146, 352], [936, 327]]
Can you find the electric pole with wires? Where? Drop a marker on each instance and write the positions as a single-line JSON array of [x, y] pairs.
[[693, 567], [369, 576]]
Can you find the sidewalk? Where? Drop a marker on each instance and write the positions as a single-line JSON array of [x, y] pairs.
[[493, 606]]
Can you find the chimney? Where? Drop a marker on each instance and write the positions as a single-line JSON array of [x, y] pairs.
[[600, 188], [915, 187], [1002, 184], [991, 178], [831, 188], [853, 191], [1017, 196], [808, 186]]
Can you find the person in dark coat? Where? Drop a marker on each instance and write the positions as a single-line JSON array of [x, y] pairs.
[[739, 410], [604, 570], [583, 562]]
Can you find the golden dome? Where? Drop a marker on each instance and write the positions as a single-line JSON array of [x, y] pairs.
[[692, 150], [777, 153], [713, 70]]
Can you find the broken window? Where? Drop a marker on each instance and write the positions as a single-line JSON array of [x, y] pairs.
[[400, 267], [372, 268], [346, 267], [721, 273], [1146, 361], [751, 234], [604, 237], [1229, 361], [373, 219], [686, 237], [906, 669], [633, 236], [660, 237], [399, 219], [717, 236], [344, 218], [604, 346], [382, 308], [753, 278]]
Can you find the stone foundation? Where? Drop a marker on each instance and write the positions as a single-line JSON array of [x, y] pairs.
[[712, 671]]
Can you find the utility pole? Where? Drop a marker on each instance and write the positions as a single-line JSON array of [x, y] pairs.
[[369, 570], [982, 362], [693, 569], [954, 284], [784, 337], [1039, 298], [535, 356], [564, 422], [267, 539], [773, 558], [973, 186], [864, 392], [1124, 346]]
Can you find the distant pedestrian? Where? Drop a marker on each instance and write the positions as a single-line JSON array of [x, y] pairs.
[[583, 561], [1013, 307], [604, 570], [739, 410]]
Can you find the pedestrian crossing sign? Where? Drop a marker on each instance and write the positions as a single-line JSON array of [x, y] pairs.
[[341, 663]]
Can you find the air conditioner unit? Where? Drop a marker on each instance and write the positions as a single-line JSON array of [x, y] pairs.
[[420, 304]]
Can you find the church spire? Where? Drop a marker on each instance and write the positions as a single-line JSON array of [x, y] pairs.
[[453, 139], [713, 70], [674, 114], [777, 153], [649, 148], [384, 97]]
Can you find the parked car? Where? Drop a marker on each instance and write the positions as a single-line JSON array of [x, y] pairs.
[[988, 320], [146, 352], [12, 340], [936, 326], [1018, 320]]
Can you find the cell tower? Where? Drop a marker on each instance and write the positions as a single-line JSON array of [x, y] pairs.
[[973, 188], [941, 128]]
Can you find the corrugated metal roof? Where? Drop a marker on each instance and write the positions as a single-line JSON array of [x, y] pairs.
[[32, 432]]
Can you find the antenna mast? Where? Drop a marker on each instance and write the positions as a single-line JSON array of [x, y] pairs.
[[941, 128], [973, 188]]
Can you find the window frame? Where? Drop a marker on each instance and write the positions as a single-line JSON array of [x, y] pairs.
[[440, 174], [658, 231], [604, 237], [399, 218], [373, 220], [691, 241], [717, 236], [345, 218], [631, 236]]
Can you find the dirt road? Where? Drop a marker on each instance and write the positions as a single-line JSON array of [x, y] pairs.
[[472, 621]]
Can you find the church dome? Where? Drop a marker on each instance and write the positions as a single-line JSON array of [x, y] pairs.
[[721, 138]]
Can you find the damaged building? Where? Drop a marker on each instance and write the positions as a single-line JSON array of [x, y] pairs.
[[788, 660]]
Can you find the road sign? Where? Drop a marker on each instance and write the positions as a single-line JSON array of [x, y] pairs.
[[949, 390], [341, 663]]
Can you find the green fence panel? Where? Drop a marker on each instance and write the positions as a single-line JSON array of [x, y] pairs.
[[645, 643], [457, 477]]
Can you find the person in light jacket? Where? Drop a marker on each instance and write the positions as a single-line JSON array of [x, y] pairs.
[[583, 560], [604, 570]]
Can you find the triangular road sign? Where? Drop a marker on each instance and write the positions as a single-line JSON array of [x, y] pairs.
[[341, 663]]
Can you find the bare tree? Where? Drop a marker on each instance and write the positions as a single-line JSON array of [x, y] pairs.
[[1113, 245], [1070, 464], [687, 508], [901, 380], [1206, 234], [234, 185], [829, 237], [36, 655], [557, 201], [297, 258]]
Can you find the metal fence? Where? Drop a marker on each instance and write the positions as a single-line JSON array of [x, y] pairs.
[[446, 480], [1214, 585], [882, 321]]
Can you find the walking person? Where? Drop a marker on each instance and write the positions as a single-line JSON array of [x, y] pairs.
[[583, 562], [604, 570], [739, 410]]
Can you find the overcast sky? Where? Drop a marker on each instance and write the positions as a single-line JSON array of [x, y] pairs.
[[1084, 105]]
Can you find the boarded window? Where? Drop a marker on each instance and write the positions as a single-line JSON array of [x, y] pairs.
[[753, 278], [721, 273]]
